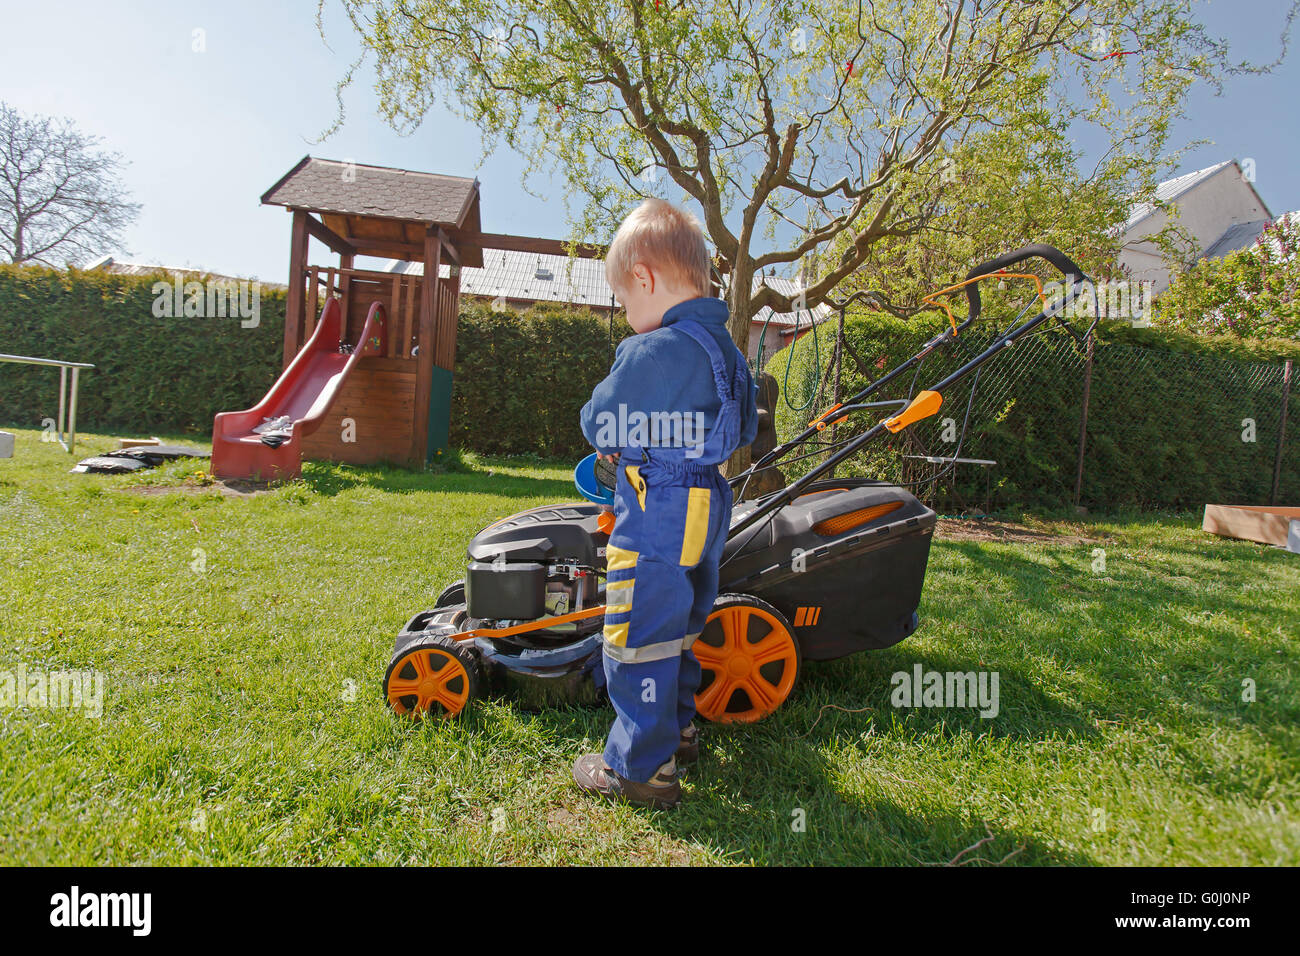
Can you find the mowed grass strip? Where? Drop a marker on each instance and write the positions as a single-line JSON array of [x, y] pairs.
[[243, 640]]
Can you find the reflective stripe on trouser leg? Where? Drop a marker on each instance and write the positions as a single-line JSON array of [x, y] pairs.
[[641, 672]]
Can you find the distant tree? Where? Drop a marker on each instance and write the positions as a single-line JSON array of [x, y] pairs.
[[1251, 293], [60, 197]]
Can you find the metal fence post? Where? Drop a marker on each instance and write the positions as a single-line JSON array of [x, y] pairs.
[[838, 359], [59, 426], [1083, 423], [1281, 432], [67, 403]]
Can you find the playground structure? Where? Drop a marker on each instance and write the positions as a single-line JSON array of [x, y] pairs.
[[387, 404], [304, 393], [65, 428]]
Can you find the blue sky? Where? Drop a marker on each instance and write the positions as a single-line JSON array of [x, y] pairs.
[[206, 133]]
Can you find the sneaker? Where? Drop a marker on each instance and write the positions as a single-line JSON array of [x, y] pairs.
[[661, 792], [688, 748]]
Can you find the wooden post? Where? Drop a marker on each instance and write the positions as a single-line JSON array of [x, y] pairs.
[[293, 302], [313, 291], [427, 346], [1083, 422], [1281, 433], [409, 321], [345, 289]]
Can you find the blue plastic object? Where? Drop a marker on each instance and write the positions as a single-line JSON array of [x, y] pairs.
[[584, 479]]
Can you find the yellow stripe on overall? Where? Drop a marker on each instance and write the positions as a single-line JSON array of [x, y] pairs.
[[620, 581]]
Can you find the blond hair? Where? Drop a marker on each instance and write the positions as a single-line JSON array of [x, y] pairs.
[[668, 240]]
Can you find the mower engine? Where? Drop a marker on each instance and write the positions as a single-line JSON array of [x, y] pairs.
[[538, 564]]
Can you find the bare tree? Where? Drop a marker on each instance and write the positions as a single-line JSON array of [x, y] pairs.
[[60, 197]]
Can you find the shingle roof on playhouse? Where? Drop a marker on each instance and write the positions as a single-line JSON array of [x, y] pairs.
[[327, 185], [382, 210]]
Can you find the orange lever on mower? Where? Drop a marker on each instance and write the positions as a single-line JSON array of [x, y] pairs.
[[821, 422], [923, 406]]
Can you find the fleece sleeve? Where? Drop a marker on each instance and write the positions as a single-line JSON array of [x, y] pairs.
[[635, 380]]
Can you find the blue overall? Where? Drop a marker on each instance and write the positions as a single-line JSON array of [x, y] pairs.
[[672, 511]]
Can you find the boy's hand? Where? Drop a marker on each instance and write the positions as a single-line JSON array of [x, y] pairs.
[[613, 457]]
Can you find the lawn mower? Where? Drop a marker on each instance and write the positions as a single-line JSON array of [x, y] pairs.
[[820, 569]]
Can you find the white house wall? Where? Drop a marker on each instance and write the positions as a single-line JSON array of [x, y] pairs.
[[1206, 211]]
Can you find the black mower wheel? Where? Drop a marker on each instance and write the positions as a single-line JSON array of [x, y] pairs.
[[432, 675], [453, 593], [749, 658]]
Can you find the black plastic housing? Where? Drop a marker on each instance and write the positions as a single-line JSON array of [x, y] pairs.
[[851, 590], [842, 592], [512, 590]]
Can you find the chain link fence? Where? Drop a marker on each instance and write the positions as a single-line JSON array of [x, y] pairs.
[[1050, 424]]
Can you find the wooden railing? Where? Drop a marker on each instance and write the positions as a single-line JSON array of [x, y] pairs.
[[399, 292]]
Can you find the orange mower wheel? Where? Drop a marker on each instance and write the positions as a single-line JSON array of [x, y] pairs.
[[749, 658], [432, 675]]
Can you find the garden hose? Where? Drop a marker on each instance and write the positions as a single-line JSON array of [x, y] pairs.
[[789, 359]]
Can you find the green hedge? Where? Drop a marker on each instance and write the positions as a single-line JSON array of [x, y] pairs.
[[523, 377], [520, 378], [1164, 419], [171, 374], [1164, 426]]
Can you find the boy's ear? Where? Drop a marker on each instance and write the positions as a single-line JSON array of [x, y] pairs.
[[644, 276]]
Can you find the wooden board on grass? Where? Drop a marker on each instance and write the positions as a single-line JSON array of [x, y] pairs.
[[1265, 524]]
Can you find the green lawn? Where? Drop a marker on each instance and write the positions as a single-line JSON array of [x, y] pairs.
[[242, 722]]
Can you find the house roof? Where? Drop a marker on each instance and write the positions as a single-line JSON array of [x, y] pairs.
[[1240, 236], [530, 277], [1174, 189], [789, 320], [125, 268], [533, 277]]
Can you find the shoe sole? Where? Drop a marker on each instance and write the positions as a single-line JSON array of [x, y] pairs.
[[616, 796]]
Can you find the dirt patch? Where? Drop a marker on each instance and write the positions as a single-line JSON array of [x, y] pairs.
[[231, 489], [972, 529], [562, 818]]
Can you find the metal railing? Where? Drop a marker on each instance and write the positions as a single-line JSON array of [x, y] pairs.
[[67, 401]]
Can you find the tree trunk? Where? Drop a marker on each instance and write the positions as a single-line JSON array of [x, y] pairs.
[[739, 293]]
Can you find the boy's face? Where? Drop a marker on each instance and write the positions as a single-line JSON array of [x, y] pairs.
[[646, 297]]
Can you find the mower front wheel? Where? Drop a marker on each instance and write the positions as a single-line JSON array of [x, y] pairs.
[[432, 675], [749, 658]]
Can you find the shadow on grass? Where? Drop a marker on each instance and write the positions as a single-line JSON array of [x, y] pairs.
[[829, 691], [1165, 648], [760, 794]]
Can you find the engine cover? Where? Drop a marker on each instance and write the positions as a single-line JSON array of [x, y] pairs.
[[506, 589], [550, 533]]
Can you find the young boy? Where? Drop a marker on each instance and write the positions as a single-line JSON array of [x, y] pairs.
[[678, 401]]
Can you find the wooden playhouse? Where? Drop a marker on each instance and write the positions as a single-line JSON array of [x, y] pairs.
[[398, 403]]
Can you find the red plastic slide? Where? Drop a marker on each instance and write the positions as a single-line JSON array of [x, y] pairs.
[[304, 393]]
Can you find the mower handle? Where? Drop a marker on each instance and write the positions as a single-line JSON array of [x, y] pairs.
[[1063, 264]]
